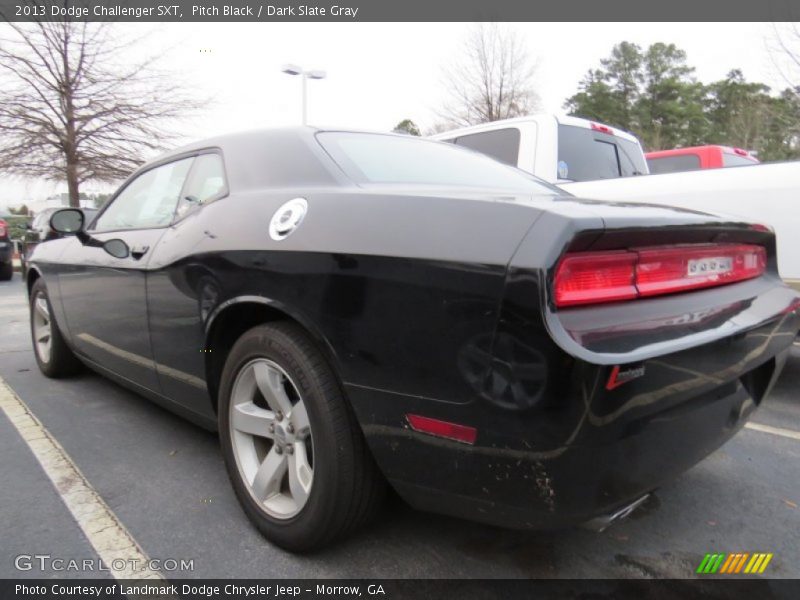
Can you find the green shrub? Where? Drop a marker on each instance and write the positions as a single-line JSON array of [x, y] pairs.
[[16, 226]]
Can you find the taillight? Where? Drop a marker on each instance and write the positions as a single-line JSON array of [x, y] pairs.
[[588, 277], [663, 271], [595, 277], [3, 228]]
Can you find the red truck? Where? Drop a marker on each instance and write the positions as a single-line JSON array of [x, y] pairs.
[[6, 253], [698, 157]]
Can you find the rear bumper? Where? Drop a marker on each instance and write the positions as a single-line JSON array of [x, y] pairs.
[[584, 451]]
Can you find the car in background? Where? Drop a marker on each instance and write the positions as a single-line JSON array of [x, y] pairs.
[[556, 148], [39, 230], [6, 252], [698, 157]]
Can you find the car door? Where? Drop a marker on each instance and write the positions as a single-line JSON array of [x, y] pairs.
[[183, 288], [104, 297]]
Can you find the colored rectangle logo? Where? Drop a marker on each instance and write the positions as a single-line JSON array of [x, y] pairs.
[[735, 563]]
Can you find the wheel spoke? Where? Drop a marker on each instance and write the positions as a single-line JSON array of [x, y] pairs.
[[252, 419], [299, 419], [300, 474], [270, 384], [269, 476], [43, 333], [42, 309]]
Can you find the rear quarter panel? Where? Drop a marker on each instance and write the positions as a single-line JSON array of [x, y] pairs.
[[396, 285]]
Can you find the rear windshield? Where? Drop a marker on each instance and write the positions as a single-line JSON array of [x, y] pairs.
[[502, 144], [674, 164], [586, 155], [376, 158]]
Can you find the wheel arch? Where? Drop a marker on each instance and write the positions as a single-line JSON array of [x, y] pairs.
[[31, 276], [228, 321]]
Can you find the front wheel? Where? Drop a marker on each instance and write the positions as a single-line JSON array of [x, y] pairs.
[[292, 447], [54, 357]]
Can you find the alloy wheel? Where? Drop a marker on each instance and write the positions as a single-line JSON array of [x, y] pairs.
[[42, 327], [271, 438]]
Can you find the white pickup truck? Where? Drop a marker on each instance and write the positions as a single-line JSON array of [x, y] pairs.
[[555, 148], [765, 193]]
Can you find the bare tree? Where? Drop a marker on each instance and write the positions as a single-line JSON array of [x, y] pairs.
[[493, 80], [73, 109], [784, 50]]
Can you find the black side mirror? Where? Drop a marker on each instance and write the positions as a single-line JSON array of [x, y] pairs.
[[70, 221], [67, 221], [117, 248]]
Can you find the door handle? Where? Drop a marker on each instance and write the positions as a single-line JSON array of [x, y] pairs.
[[138, 252]]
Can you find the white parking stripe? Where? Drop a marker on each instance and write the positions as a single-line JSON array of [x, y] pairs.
[[788, 433], [112, 542]]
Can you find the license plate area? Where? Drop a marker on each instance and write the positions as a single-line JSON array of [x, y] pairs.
[[711, 265]]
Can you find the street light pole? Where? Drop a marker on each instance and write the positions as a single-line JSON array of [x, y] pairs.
[[305, 76]]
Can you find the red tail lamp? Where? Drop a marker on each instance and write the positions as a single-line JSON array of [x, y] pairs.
[[597, 277]]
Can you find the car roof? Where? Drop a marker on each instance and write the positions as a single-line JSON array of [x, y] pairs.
[[561, 119], [292, 154], [267, 134], [697, 149]]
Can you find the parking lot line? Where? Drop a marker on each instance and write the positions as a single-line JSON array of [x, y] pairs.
[[111, 540], [788, 433]]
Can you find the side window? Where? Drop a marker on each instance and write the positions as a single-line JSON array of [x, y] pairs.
[[733, 160], [206, 182], [607, 161], [502, 144], [147, 201], [631, 158]]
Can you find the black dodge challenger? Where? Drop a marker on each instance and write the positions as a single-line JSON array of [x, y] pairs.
[[350, 309]]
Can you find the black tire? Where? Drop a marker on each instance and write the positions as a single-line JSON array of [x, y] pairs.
[[6, 271], [62, 361], [347, 487]]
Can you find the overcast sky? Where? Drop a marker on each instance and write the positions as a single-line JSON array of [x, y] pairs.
[[381, 73]]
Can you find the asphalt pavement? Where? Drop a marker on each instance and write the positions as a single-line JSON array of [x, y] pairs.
[[164, 480]]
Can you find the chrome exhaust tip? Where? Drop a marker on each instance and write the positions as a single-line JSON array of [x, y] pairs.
[[601, 523]]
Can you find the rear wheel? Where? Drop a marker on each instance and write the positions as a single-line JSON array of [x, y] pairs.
[[293, 449], [54, 357], [6, 271]]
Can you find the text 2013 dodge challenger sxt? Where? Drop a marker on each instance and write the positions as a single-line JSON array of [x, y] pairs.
[[352, 308]]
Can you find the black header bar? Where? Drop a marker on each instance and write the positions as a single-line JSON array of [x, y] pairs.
[[276, 11]]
